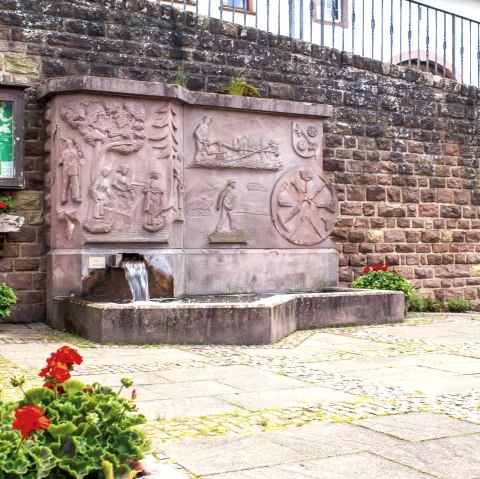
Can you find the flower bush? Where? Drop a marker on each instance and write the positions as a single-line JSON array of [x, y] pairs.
[[7, 300], [382, 277], [68, 429], [6, 204]]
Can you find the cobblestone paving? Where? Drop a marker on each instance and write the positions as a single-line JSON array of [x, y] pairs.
[[370, 398]]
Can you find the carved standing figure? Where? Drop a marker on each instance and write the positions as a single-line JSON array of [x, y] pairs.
[[71, 159], [225, 204], [101, 192], [177, 184], [152, 204], [202, 138], [122, 185]]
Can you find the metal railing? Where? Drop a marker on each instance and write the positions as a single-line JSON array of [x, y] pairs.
[[401, 32]]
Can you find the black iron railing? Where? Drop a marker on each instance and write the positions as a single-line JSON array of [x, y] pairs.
[[402, 32]]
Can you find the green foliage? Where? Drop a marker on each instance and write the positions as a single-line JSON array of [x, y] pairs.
[[381, 279], [88, 430], [7, 300], [181, 78], [458, 305], [239, 87], [433, 305], [416, 303], [6, 204]]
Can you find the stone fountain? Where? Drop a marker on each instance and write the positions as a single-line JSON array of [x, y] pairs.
[[218, 196]]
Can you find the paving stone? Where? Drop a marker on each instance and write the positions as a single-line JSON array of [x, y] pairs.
[[287, 398], [184, 407], [113, 379], [419, 426], [227, 454], [328, 341], [245, 378], [332, 439], [190, 389], [354, 466], [448, 458]]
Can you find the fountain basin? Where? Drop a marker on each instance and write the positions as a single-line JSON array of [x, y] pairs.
[[218, 321]]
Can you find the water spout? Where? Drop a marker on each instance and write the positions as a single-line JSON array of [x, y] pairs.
[[137, 277]]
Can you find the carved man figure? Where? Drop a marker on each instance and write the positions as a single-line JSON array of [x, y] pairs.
[[202, 138], [72, 160], [225, 204], [152, 204], [122, 185], [101, 192], [177, 184]]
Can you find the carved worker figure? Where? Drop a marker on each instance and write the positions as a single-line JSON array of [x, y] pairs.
[[102, 194], [122, 185], [202, 138], [177, 184], [225, 204], [71, 159], [152, 204]]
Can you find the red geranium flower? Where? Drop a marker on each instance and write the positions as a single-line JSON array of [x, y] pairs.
[[60, 389], [3, 205], [367, 269], [67, 355], [30, 418], [60, 363], [377, 267]]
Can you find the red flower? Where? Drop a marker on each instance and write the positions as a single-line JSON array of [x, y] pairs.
[[88, 390], [60, 389], [377, 267], [367, 269], [60, 363], [3, 205], [67, 355], [30, 418]]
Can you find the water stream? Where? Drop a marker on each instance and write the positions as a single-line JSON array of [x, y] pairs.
[[137, 277]]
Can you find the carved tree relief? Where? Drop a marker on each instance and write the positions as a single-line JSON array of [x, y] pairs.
[[109, 126]]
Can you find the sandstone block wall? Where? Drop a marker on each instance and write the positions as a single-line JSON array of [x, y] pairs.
[[402, 146]]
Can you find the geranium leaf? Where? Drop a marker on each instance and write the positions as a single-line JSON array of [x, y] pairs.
[[74, 386], [44, 459]]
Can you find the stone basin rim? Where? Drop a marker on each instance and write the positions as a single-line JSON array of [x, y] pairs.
[[273, 299]]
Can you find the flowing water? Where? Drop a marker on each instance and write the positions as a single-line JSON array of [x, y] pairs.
[[137, 277]]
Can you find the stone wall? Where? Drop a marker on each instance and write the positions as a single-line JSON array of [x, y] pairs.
[[402, 146]]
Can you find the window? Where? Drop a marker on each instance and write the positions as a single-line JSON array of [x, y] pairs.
[[331, 10], [238, 4]]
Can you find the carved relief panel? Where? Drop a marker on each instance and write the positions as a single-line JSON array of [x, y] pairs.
[[255, 180], [116, 171]]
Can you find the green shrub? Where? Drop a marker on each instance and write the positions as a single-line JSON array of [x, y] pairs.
[[7, 300], [379, 277], [68, 429], [416, 303], [433, 305], [458, 305]]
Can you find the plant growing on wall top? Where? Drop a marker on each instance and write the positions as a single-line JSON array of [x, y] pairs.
[[239, 87]]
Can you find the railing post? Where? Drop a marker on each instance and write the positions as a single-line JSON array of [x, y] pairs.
[[453, 46]]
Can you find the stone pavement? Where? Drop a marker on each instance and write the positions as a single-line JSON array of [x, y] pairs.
[[393, 401]]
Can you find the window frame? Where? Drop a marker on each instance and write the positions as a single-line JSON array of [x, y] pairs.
[[249, 4], [342, 13]]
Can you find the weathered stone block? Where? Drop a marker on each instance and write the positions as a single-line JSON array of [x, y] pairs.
[[374, 236], [20, 64]]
